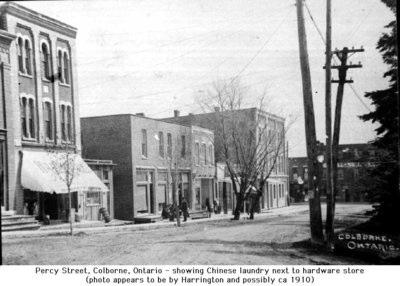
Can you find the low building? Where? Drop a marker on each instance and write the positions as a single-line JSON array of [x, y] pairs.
[[275, 193], [155, 161], [94, 201], [354, 161]]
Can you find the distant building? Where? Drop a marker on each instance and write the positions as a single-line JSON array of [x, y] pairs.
[[150, 155], [41, 106], [275, 193], [354, 162]]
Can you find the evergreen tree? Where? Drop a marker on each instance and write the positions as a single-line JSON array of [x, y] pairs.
[[383, 188]]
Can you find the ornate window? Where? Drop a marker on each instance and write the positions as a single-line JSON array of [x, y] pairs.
[[20, 55], [28, 126], [66, 122], [66, 68], [45, 57], [28, 64], [48, 120]]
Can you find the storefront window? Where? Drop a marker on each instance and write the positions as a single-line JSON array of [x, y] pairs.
[[93, 198]]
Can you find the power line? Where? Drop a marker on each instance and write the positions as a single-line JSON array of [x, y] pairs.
[[262, 48], [324, 41]]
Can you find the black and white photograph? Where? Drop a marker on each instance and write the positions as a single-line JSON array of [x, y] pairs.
[[195, 133]]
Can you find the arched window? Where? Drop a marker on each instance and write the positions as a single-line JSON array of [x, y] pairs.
[[69, 123], [59, 66], [31, 118], [66, 68], [20, 55], [24, 128], [45, 61], [28, 65], [48, 120], [63, 131]]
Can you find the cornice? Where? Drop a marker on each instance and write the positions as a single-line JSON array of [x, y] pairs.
[[38, 19], [6, 38]]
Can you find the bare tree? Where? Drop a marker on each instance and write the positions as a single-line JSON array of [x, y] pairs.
[[247, 140], [66, 168]]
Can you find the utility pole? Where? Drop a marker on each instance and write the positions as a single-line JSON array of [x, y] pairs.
[[343, 56], [328, 124], [311, 140]]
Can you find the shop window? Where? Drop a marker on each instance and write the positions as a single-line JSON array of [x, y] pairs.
[[93, 198]]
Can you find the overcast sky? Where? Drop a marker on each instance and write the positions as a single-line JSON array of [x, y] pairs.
[[157, 56]]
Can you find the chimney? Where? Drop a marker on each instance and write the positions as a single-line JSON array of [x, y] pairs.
[[216, 108], [176, 113], [141, 114]]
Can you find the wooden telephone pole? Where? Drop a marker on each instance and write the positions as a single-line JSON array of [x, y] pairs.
[[311, 139], [343, 56]]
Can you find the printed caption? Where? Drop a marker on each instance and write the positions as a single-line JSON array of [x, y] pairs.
[[195, 275]]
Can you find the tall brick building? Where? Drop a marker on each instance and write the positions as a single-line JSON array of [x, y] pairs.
[[147, 153], [275, 193], [354, 161], [40, 88]]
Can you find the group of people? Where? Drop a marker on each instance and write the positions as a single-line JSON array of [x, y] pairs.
[[169, 211]]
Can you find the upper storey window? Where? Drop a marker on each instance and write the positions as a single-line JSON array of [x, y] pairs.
[[28, 128], [24, 51], [45, 59], [63, 66]]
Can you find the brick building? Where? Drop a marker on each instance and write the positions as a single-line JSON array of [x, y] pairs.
[[149, 154], [275, 193], [40, 88], [354, 160], [6, 120]]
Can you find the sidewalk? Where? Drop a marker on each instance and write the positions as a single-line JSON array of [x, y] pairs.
[[95, 227]]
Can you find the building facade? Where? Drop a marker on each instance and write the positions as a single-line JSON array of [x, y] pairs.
[[354, 161], [275, 193], [6, 119], [155, 161], [43, 115]]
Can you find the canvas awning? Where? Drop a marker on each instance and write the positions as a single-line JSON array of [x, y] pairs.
[[49, 172]]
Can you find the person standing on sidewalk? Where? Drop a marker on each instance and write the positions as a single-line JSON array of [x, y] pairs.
[[208, 207], [184, 208]]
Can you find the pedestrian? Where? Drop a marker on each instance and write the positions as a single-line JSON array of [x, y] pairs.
[[208, 207], [184, 208]]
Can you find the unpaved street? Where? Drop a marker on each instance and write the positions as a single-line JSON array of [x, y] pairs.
[[266, 240]]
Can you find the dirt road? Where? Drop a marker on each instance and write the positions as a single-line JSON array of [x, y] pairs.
[[266, 240]]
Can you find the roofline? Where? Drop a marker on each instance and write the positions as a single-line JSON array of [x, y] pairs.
[[38, 18], [144, 117], [243, 109]]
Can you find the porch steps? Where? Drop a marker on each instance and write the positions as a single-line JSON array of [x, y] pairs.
[[198, 214], [147, 218], [13, 222]]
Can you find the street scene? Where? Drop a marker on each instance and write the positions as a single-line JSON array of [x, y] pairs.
[[198, 133], [273, 238]]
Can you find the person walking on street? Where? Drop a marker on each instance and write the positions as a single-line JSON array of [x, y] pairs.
[[184, 208]]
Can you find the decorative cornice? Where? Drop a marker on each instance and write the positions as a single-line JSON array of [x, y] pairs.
[[38, 19], [6, 38]]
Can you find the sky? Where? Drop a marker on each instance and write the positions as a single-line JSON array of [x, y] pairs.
[[158, 56]]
